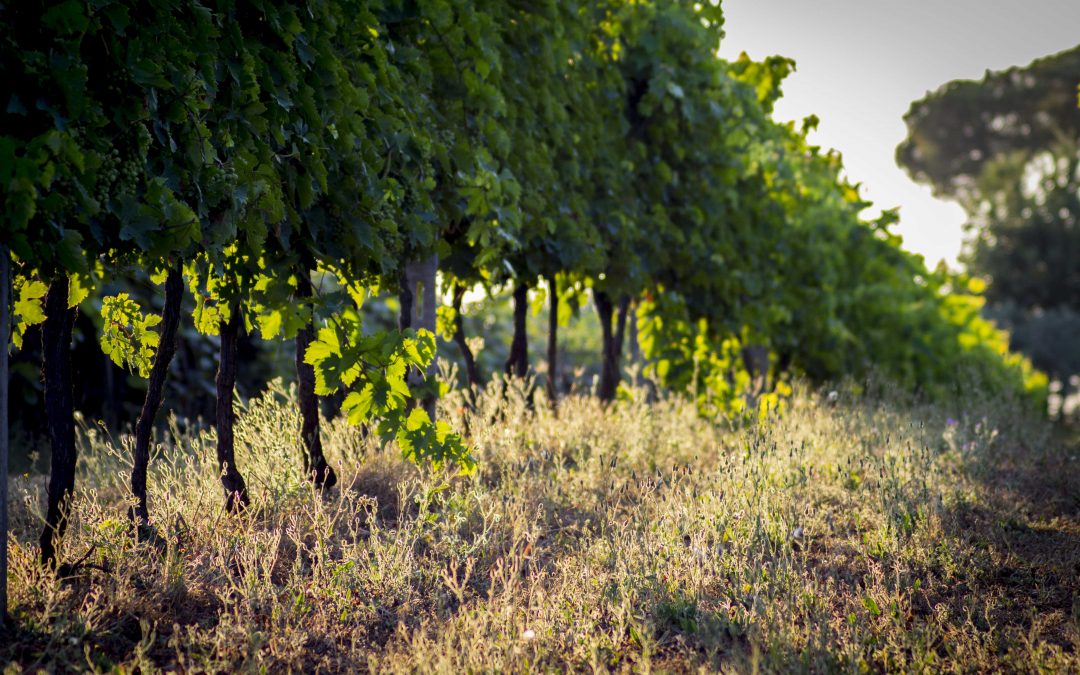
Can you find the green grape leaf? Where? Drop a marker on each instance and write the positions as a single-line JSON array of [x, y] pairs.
[[79, 288], [126, 337], [420, 440], [358, 405], [269, 323], [445, 316], [332, 367], [29, 310]]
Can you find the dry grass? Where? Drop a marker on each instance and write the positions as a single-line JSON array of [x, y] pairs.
[[864, 533]]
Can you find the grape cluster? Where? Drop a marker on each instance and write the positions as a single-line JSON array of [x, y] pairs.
[[220, 183], [142, 139], [119, 173], [131, 171], [107, 176]]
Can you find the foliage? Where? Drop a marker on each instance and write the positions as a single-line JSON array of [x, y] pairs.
[[373, 368], [126, 337], [27, 309], [1025, 238], [686, 356], [958, 131], [1005, 147]]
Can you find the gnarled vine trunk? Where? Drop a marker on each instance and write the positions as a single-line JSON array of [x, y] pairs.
[[553, 342], [612, 338], [517, 364], [633, 344], [405, 299], [472, 371], [315, 465], [59, 414], [783, 365], [420, 273], [5, 332], [155, 388], [756, 361], [236, 496]]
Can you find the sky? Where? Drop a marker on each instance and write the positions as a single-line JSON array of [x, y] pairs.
[[861, 63]]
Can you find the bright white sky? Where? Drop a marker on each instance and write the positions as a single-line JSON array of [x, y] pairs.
[[860, 64]]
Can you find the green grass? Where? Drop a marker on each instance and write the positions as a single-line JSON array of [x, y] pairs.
[[861, 533]]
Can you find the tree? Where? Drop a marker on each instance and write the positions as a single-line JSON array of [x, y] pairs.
[[668, 226], [467, 199], [966, 126], [1005, 148], [553, 62], [63, 158], [1025, 239]]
